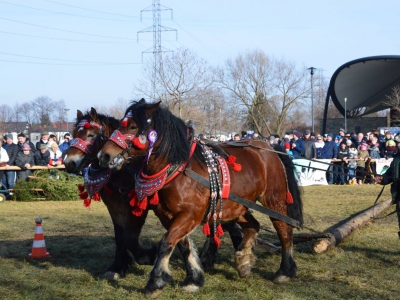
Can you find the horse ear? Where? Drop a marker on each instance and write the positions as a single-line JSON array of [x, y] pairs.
[[142, 101], [93, 114], [79, 114], [150, 111]]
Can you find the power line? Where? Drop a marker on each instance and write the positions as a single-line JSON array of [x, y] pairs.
[[74, 61], [61, 39], [88, 9], [53, 64], [68, 14], [89, 34]]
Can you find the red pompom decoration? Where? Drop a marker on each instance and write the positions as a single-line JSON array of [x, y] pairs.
[[132, 193], [219, 232], [154, 200], [237, 167], [87, 125], [124, 123], [81, 188], [143, 203], [108, 190], [83, 195], [134, 201], [230, 160], [96, 197], [289, 198], [217, 241], [138, 144], [137, 211], [206, 229], [86, 203]]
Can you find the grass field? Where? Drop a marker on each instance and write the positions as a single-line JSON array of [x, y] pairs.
[[80, 242]]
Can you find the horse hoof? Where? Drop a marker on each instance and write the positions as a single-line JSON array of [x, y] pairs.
[[113, 276], [191, 288], [281, 279], [244, 270], [154, 294]]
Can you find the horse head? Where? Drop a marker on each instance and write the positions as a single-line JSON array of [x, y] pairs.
[[149, 130], [90, 133]]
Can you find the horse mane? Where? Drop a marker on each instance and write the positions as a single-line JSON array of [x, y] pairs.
[[172, 131]]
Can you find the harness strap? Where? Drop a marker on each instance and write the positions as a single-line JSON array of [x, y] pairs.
[[273, 214]]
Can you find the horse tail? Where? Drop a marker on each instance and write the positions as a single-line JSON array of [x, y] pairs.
[[294, 210]]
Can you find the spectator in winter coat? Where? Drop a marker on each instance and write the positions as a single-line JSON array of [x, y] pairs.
[[328, 152], [25, 161], [12, 151], [55, 156], [3, 158], [297, 145], [343, 154], [363, 156], [42, 157], [22, 139], [319, 146], [43, 140], [309, 145]]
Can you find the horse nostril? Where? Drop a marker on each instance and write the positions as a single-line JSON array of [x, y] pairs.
[[105, 159], [70, 166]]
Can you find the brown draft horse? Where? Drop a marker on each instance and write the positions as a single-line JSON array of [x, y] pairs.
[[183, 204], [90, 133]]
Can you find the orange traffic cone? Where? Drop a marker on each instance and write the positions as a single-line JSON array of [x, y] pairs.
[[39, 245]]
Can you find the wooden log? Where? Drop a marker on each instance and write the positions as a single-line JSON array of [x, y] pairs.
[[15, 168], [340, 233]]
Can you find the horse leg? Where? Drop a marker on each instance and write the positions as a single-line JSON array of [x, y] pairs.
[[288, 266], [244, 256], [122, 260], [194, 274]]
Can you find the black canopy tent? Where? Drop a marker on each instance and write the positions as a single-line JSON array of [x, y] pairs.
[[365, 82]]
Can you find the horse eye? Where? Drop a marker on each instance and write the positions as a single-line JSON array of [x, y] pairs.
[[133, 127], [90, 135]]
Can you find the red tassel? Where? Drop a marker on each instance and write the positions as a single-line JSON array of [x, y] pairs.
[[217, 241], [137, 211], [86, 203], [87, 125], [124, 123], [83, 195], [81, 188], [237, 167], [231, 159], [108, 191], [96, 197], [138, 144], [154, 200], [220, 231], [206, 229], [134, 201], [289, 198], [143, 203]]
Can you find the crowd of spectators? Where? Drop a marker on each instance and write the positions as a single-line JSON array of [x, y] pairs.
[[25, 155]]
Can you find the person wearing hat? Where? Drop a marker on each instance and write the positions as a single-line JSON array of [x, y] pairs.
[[25, 161], [309, 145], [65, 145], [297, 145], [328, 152], [271, 140], [55, 156], [42, 157], [342, 133], [362, 155], [8, 179], [43, 140], [338, 169], [3, 159], [22, 139], [351, 164]]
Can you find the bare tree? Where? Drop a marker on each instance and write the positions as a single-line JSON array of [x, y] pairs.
[[6, 114], [180, 78], [393, 100], [269, 89], [118, 109], [42, 108]]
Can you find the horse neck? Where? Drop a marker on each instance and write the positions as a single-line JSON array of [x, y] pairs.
[[154, 165]]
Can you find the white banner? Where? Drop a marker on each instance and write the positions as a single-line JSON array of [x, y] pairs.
[[311, 172], [382, 165]]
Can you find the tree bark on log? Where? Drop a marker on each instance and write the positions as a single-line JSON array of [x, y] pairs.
[[340, 233]]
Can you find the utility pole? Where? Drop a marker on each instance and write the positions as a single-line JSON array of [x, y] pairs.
[[156, 29]]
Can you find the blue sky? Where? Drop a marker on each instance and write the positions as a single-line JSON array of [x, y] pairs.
[[93, 58]]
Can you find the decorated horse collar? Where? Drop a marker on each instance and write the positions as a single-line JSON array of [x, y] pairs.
[[96, 179]]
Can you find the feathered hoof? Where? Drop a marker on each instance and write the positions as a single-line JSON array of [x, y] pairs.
[[191, 288], [112, 276], [154, 294], [244, 261], [281, 279]]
